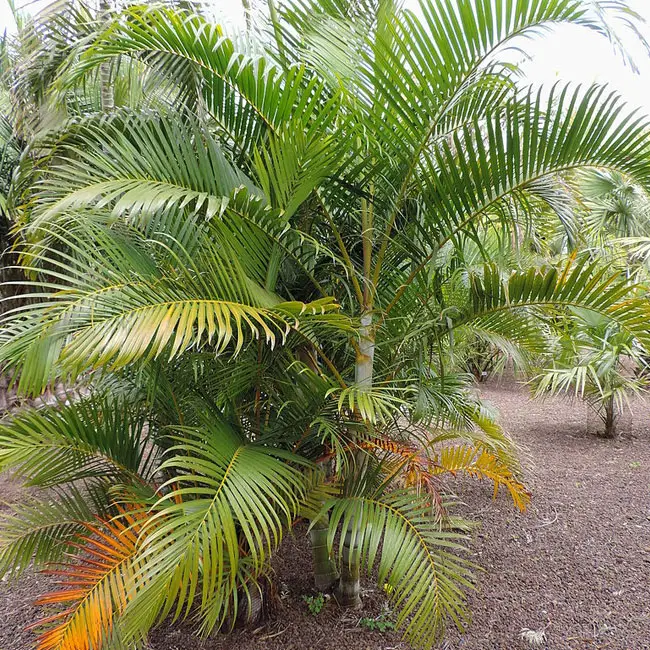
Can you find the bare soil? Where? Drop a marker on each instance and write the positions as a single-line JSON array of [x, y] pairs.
[[575, 567], [577, 564]]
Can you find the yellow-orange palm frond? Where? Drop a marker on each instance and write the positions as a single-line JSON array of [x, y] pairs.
[[480, 463], [95, 588]]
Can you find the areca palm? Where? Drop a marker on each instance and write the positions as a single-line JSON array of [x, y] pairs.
[[299, 225]]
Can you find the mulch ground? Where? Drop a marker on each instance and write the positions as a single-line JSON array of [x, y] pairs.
[[575, 567]]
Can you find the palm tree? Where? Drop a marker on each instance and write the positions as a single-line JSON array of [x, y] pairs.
[[595, 360], [259, 255], [615, 206], [590, 356]]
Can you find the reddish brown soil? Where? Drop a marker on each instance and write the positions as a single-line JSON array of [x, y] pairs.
[[575, 566]]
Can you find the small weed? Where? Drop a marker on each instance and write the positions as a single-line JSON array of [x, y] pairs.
[[380, 624], [635, 464], [315, 603]]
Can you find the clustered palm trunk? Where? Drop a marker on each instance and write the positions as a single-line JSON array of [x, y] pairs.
[[348, 591], [325, 574]]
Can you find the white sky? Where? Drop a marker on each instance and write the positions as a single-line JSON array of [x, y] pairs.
[[569, 53]]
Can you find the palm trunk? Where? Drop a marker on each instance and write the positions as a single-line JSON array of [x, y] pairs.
[[364, 365], [610, 418], [325, 573], [106, 91], [348, 593], [256, 603]]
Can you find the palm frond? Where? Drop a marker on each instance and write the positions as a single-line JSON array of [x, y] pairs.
[[138, 166], [247, 96], [580, 282], [85, 439], [574, 128], [36, 532], [496, 158], [95, 589], [132, 309], [480, 463], [413, 554], [225, 510], [374, 405]]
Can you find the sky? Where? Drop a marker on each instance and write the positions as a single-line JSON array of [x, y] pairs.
[[569, 53], [573, 53]]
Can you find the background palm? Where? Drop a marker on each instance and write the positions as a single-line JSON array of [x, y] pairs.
[[595, 360], [263, 256]]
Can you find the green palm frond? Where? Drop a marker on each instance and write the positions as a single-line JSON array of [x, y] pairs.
[[578, 283], [293, 164], [37, 533], [487, 351], [147, 168], [397, 533], [246, 96], [578, 379], [128, 168], [468, 177], [226, 495], [444, 400], [137, 307], [88, 438], [374, 405], [573, 128]]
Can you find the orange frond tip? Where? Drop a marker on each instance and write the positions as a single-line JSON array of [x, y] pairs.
[[96, 589]]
